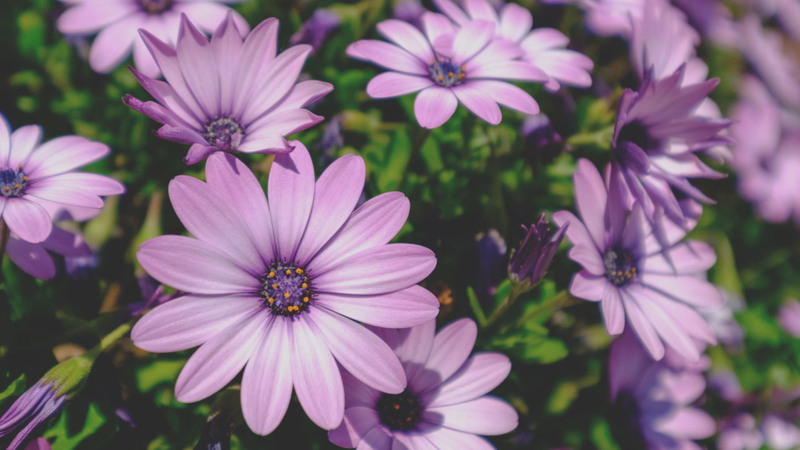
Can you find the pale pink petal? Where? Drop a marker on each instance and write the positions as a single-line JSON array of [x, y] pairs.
[[401, 309], [5, 138], [31, 258], [267, 379], [191, 320], [391, 57], [451, 348], [226, 45], [62, 155], [196, 61], [207, 16], [584, 250], [303, 94], [689, 257], [447, 438], [515, 22], [379, 270], [436, 25], [613, 313], [23, 141], [507, 95], [257, 54], [373, 224], [89, 17], [509, 70], [688, 423], [591, 198], [589, 287], [143, 60], [114, 44], [49, 189], [204, 269], [434, 106], [471, 39], [407, 36], [360, 351], [686, 288], [358, 421], [291, 196], [316, 377], [477, 377], [394, 84], [89, 182], [277, 81], [220, 359], [487, 416], [413, 346], [452, 11], [481, 9], [27, 219], [641, 325], [479, 102], [376, 439]]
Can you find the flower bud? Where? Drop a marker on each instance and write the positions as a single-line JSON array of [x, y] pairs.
[[530, 262]]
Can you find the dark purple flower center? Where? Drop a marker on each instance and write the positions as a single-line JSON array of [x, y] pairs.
[[286, 289], [155, 6], [620, 267], [636, 133], [446, 74], [13, 182], [220, 132], [400, 411]]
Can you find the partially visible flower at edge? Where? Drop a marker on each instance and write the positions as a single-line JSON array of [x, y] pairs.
[[789, 317], [740, 433], [316, 29]]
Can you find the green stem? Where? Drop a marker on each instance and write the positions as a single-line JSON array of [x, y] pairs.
[[516, 291], [558, 301], [111, 338], [5, 233]]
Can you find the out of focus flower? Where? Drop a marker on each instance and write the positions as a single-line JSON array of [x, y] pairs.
[[535, 253], [787, 12], [316, 29], [410, 11], [446, 66], [46, 398], [491, 255], [740, 433], [117, 22], [38, 444], [789, 317], [712, 18], [766, 158], [34, 177], [764, 50], [723, 322], [608, 17], [653, 401], [656, 138], [280, 287], [725, 383], [542, 140], [445, 405], [332, 139], [779, 433], [545, 48], [655, 289], [227, 94]]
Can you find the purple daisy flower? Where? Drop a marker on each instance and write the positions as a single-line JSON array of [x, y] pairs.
[[447, 66], [655, 289], [445, 405], [608, 17], [656, 137], [740, 433], [277, 287], [789, 317], [545, 48], [653, 400], [780, 433], [35, 176], [116, 23], [317, 28], [227, 94]]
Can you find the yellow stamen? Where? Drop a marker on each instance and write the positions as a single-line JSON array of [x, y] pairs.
[[304, 285], [286, 294], [305, 299], [271, 300], [271, 274], [288, 272], [299, 271]]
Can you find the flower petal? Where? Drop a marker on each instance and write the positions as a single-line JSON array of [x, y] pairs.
[[31, 258], [507, 95], [613, 313], [515, 22], [407, 36], [23, 141], [591, 198], [62, 155], [291, 196], [451, 347], [220, 359], [277, 81], [487, 416], [477, 377], [588, 287], [443, 437], [257, 54], [641, 325], [434, 106], [413, 346], [401, 309], [391, 57], [357, 423], [395, 84], [89, 17], [114, 44], [686, 288], [479, 102], [471, 39], [27, 219]]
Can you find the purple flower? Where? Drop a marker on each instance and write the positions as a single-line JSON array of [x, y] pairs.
[[446, 66], [726, 384], [712, 18], [663, 41], [608, 17], [116, 23], [787, 12], [654, 288], [545, 48], [410, 11], [740, 433], [316, 29], [535, 253], [779, 433], [491, 255], [46, 398], [227, 94], [778, 69], [38, 179], [445, 405], [789, 317], [278, 287], [655, 140], [723, 321], [38, 444], [653, 400]]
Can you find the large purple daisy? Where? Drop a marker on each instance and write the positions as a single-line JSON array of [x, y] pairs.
[[445, 405], [653, 400], [276, 288], [34, 176], [545, 48], [227, 94], [116, 23], [447, 66], [656, 137], [655, 289]]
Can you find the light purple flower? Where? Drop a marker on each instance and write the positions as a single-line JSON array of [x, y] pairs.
[[608, 17], [656, 137], [726, 385], [779, 433], [712, 18], [316, 29], [787, 12], [777, 68], [116, 23], [275, 288], [446, 66], [445, 405], [31, 409], [740, 433], [789, 317], [654, 400], [410, 11], [227, 94], [35, 176], [545, 48], [723, 321], [626, 269]]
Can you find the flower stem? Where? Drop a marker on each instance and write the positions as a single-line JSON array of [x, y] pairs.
[[558, 301], [516, 291], [5, 234], [111, 338]]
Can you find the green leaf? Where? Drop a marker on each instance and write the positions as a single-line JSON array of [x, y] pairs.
[[475, 304], [14, 390], [601, 435], [64, 435], [157, 373]]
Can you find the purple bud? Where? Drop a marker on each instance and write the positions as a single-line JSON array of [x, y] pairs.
[[491, 253], [530, 262], [317, 28]]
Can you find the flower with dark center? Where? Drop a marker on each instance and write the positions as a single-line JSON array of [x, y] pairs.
[[115, 22], [449, 65], [279, 289], [401, 412], [445, 402], [636, 133], [657, 291], [154, 7], [13, 182], [243, 99]]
